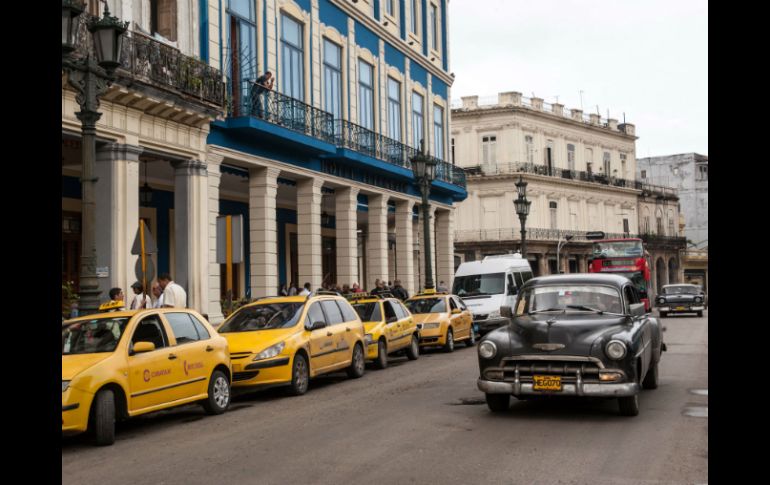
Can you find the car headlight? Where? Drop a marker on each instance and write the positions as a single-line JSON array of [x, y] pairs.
[[661, 300], [65, 385], [615, 349], [494, 314], [431, 325], [270, 351], [368, 338], [487, 349], [698, 299]]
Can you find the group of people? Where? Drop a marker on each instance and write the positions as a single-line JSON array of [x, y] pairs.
[[165, 293], [381, 287]]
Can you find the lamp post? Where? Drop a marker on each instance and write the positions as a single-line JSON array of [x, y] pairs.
[[522, 209], [90, 78], [424, 168], [567, 237]]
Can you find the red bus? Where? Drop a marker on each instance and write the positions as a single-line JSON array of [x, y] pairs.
[[626, 257]]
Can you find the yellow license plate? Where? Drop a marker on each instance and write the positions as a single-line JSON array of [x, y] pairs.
[[547, 383], [680, 308]]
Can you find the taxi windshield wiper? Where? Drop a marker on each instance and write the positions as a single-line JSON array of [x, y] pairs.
[[546, 310]]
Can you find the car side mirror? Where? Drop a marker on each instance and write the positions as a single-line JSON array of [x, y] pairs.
[[140, 347], [456, 311], [316, 325], [391, 319], [506, 311], [637, 309]]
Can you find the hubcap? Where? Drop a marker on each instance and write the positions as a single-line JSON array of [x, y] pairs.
[[358, 359], [221, 392], [450, 340], [301, 374]]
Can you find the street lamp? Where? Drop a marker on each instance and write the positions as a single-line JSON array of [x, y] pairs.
[[424, 168], [90, 78], [522, 209], [567, 237]]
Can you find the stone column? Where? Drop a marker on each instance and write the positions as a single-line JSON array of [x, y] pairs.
[[263, 231], [213, 163], [445, 247], [582, 261], [309, 232], [432, 211], [542, 261], [405, 245], [117, 215], [191, 228], [346, 216], [377, 247]]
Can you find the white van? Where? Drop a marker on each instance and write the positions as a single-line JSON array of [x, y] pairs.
[[487, 285]]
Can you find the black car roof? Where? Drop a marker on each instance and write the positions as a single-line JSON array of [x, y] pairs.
[[681, 284], [579, 279]]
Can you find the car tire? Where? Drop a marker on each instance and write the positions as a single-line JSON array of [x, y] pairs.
[[300, 375], [449, 346], [700, 313], [498, 403], [356, 368], [104, 418], [629, 405], [413, 351], [219, 394], [472, 339], [382, 355], [651, 379]]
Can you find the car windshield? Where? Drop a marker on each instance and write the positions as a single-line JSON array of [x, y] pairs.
[[617, 249], [369, 312], [681, 290], [568, 298], [263, 317], [92, 336], [479, 284], [426, 305]]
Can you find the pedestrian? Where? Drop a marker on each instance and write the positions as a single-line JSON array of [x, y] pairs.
[[399, 291], [292, 289], [140, 300], [354, 288], [157, 294], [306, 290], [379, 287], [282, 290], [346, 289], [116, 295], [174, 295], [262, 85], [442, 287]]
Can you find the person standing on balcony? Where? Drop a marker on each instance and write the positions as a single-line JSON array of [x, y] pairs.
[[263, 84]]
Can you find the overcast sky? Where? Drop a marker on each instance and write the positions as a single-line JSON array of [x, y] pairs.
[[647, 58]]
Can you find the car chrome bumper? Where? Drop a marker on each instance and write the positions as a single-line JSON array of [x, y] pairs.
[[580, 389], [673, 309]]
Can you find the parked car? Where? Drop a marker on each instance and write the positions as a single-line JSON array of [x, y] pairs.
[[443, 320], [680, 298], [572, 335], [122, 364], [389, 326], [287, 340]]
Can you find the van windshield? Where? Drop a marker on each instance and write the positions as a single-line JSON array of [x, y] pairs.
[[479, 284]]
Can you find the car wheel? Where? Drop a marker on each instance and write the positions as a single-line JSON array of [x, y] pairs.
[[629, 405], [498, 403], [651, 379], [382, 355], [413, 351], [300, 376], [449, 346], [472, 339], [104, 418], [700, 313], [219, 394], [356, 368]]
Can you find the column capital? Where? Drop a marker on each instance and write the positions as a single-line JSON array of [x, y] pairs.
[[405, 204], [189, 167], [313, 184], [118, 151], [214, 158], [268, 172]]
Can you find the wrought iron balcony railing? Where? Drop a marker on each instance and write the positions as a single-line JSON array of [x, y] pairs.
[[160, 65], [518, 167], [533, 234], [667, 240]]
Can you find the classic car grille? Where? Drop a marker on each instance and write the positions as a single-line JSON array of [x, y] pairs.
[[568, 370], [244, 376]]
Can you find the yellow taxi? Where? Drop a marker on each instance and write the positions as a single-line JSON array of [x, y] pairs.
[[286, 340], [122, 364], [443, 319], [389, 326]]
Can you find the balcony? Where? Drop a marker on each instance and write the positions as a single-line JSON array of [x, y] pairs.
[[674, 242], [518, 167], [149, 63], [533, 234]]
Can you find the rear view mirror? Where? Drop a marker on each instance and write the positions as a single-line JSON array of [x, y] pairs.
[[456, 311], [317, 325], [506, 311]]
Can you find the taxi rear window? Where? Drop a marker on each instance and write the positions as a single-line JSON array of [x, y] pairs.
[[369, 312], [427, 305]]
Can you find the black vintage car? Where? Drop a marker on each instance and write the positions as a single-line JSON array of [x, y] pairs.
[[681, 298], [572, 335]]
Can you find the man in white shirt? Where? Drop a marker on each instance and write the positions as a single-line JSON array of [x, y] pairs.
[[157, 294], [174, 295], [140, 299], [306, 290]]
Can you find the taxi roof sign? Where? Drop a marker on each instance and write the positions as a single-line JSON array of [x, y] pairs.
[[112, 305]]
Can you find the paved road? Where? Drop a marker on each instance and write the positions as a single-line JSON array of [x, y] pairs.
[[421, 422]]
